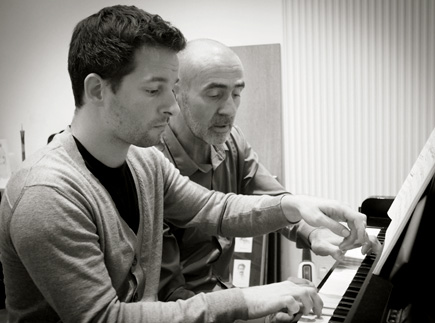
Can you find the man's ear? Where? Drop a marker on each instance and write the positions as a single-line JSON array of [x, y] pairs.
[[176, 89], [177, 92], [94, 86]]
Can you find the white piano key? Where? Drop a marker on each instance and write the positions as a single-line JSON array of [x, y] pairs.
[[315, 319]]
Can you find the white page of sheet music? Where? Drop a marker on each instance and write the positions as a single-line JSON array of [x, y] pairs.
[[406, 200]]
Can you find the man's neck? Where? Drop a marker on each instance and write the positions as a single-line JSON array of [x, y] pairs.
[[196, 148], [98, 142]]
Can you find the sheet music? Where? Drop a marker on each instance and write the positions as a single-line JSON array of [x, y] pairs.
[[408, 197]]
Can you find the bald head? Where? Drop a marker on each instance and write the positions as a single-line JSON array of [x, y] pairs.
[[208, 91], [203, 54]]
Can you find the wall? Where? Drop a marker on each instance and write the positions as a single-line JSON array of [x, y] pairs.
[[35, 34], [360, 103]]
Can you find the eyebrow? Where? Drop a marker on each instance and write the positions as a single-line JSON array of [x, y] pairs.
[[214, 85], [158, 79]]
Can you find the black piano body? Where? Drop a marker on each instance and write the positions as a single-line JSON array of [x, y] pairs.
[[402, 291]]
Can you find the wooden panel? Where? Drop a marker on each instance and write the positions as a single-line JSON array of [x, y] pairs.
[[259, 114], [259, 117]]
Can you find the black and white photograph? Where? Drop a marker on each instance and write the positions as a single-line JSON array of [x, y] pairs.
[[228, 161], [241, 272]]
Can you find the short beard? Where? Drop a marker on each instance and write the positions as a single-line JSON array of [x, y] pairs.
[[197, 129]]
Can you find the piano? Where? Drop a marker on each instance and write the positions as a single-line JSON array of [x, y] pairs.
[[402, 292]]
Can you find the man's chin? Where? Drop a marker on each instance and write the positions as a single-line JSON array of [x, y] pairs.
[[149, 141], [218, 139]]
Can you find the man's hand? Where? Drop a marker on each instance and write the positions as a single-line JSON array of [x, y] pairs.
[[326, 243], [328, 213], [285, 297], [284, 317]]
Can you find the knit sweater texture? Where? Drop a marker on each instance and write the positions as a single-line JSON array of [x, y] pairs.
[[68, 256]]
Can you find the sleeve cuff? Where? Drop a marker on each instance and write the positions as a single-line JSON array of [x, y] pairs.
[[298, 233]]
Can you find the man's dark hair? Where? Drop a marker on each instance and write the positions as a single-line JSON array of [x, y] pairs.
[[105, 44]]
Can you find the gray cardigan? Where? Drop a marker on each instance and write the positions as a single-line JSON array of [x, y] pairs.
[[68, 255]]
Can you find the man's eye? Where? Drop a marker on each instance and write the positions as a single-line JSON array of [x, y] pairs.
[[213, 95], [152, 92]]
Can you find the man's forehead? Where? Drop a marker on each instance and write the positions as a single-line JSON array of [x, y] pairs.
[[157, 79], [213, 72], [223, 84], [157, 63]]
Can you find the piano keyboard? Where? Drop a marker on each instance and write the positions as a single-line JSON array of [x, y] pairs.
[[341, 285]]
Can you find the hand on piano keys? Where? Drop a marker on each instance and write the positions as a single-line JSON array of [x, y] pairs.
[[292, 298], [329, 214], [341, 285], [326, 243], [283, 316]]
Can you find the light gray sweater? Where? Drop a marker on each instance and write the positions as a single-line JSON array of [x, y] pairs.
[[68, 255]]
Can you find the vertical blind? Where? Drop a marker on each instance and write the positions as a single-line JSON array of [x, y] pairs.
[[358, 85]]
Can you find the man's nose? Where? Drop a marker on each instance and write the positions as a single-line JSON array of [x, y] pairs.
[[171, 105], [229, 107]]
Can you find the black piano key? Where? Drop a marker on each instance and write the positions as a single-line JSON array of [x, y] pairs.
[[347, 299], [350, 294], [353, 288], [347, 304], [337, 319], [344, 306], [359, 279], [340, 315], [355, 285], [339, 312]]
